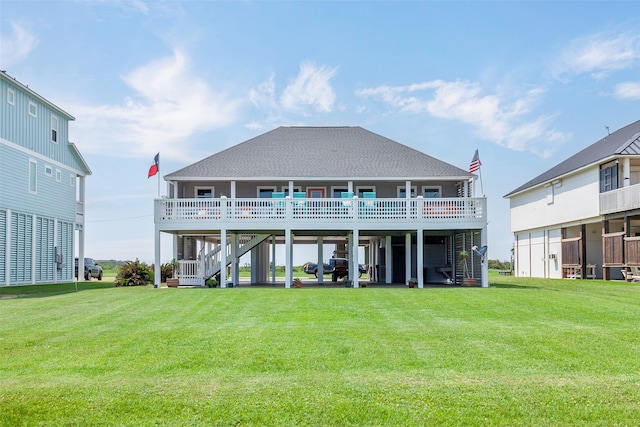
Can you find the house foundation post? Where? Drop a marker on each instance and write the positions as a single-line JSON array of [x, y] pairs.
[[273, 259], [355, 272], [407, 258], [320, 262], [288, 259], [157, 271], [485, 263], [420, 258], [223, 258], [388, 250]]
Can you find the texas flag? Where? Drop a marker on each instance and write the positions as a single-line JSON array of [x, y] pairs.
[[155, 167]]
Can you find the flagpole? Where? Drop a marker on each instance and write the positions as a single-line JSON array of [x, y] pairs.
[[158, 184], [481, 187]]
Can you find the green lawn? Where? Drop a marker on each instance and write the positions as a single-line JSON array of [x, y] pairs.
[[523, 352]]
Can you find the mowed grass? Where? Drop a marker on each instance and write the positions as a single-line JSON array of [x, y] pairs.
[[523, 352]]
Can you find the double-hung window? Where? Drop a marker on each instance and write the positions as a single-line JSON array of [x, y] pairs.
[[54, 129]]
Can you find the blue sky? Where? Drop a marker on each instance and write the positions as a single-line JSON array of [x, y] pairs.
[[526, 83]]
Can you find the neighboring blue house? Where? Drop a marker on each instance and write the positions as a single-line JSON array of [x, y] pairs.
[[42, 189]]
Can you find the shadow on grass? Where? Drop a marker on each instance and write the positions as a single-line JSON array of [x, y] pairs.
[[40, 291], [512, 286]]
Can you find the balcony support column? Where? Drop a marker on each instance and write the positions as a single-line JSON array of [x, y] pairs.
[[235, 264], [156, 268], [407, 257], [484, 264], [420, 258], [626, 172], [355, 263], [320, 262], [273, 259], [288, 258], [388, 250], [223, 258]]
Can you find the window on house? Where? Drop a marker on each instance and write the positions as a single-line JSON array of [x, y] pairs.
[[549, 188], [361, 190], [296, 189], [431, 192], [72, 180], [402, 191], [336, 192], [11, 96], [48, 170], [54, 129], [33, 109], [58, 175], [33, 176], [266, 192], [204, 192], [608, 178]]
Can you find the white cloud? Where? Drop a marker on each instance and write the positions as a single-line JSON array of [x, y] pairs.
[[169, 104], [599, 55], [17, 45], [310, 88], [497, 117], [628, 90]]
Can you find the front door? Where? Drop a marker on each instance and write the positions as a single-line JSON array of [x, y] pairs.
[[315, 193]]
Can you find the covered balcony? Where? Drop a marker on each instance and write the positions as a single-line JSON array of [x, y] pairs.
[[320, 214], [620, 200]]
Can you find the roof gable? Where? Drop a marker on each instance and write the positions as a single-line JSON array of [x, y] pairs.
[[318, 152], [624, 141]]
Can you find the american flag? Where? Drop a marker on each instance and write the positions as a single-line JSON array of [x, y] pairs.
[[475, 164]]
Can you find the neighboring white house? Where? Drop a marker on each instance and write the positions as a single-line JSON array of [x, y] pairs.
[[581, 218], [344, 186], [42, 189]]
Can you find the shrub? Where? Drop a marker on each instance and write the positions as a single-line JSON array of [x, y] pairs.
[[134, 273], [166, 272]]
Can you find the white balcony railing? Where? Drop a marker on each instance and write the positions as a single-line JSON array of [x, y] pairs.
[[314, 213], [620, 200]]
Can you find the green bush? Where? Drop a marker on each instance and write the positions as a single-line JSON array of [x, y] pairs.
[[134, 273], [166, 272]]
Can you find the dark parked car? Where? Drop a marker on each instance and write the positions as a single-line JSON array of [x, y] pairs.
[[338, 267], [91, 269]]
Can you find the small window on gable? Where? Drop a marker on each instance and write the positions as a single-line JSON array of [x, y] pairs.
[[33, 176], [54, 129], [549, 188], [58, 175], [11, 96], [33, 109], [48, 170]]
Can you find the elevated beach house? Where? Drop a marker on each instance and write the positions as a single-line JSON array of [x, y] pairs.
[[410, 214], [42, 181], [581, 218]]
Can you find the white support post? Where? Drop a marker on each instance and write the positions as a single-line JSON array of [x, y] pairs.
[[157, 271], [355, 272], [420, 258], [34, 242], [485, 265], [234, 259], [7, 260], [320, 262], [223, 258], [407, 258], [56, 244], [288, 276], [273, 260], [388, 260]]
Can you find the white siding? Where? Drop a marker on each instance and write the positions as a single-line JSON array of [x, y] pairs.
[[574, 198]]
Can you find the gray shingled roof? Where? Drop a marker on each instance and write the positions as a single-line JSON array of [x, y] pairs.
[[318, 152], [623, 142]]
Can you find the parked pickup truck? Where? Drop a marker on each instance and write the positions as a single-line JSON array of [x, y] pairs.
[[91, 269], [338, 267]]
